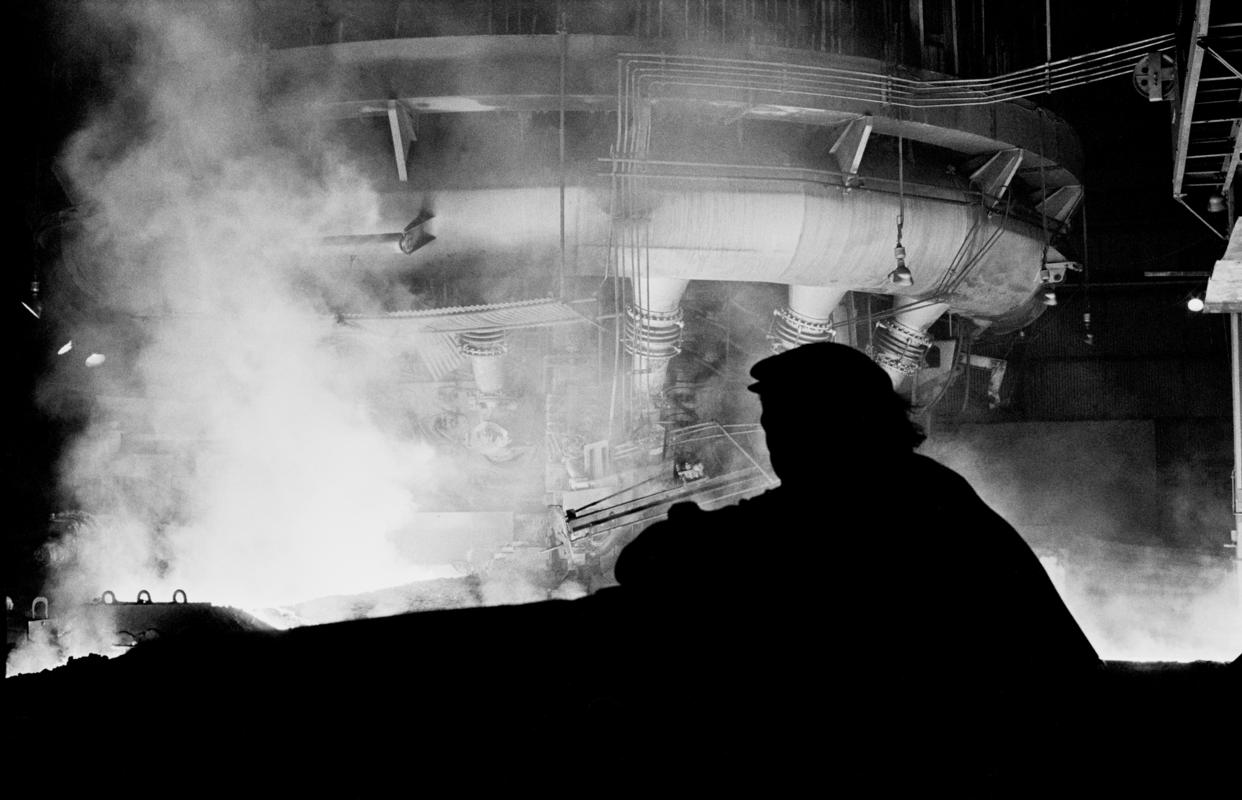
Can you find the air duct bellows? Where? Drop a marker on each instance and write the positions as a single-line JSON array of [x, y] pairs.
[[483, 344], [652, 334], [899, 347], [794, 330]]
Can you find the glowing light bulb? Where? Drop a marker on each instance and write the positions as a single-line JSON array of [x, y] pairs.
[[1195, 304], [901, 276]]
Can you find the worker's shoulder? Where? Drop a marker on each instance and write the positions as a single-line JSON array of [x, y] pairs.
[[929, 469], [690, 510], [685, 511], [936, 486]]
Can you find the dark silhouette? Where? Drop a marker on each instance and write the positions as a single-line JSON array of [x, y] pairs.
[[871, 623], [873, 587]]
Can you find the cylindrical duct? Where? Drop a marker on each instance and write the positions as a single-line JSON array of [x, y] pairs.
[[653, 326], [899, 342], [807, 318], [485, 349]]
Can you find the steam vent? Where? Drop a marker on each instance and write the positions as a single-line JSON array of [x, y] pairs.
[[344, 310]]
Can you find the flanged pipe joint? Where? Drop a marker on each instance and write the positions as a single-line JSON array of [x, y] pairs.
[[807, 319]]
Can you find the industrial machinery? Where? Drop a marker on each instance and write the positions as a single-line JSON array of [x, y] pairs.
[[599, 215]]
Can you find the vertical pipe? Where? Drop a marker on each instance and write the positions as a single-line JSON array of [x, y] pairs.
[[653, 336], [957, 63], [1047, 46], [983, 33], [916, 12], [1048, 31], [564, 44], [823, 23], [1235, 377]]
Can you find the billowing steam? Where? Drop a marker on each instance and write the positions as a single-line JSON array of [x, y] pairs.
[[236, 448], [1087, 497]]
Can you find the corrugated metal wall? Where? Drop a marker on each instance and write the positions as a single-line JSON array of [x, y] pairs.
[[1151, 358]]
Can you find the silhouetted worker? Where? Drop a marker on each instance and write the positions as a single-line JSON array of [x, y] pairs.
[[871, 592]]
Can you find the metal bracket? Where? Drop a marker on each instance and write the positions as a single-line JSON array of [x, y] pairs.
[[1053, 273], [994, 177], [1061, 204], [401, 124], [996, 375], [1224, 62], [849, 147], [414, 236]]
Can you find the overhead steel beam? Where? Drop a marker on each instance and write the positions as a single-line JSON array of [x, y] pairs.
[[1061, 204], [849, 147], [1231, 168], [1190, 88], [994, 177], [401, 123]]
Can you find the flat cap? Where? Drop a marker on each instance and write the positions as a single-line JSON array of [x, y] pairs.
[[814, 366]]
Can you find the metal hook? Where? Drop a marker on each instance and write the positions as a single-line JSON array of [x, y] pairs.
[[184, 598], [142, 594], [107, 598], [34, 608]]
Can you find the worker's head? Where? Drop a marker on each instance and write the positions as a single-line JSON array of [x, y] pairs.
[[829, 404]]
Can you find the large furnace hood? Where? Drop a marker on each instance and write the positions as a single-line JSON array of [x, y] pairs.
[[698, 224]]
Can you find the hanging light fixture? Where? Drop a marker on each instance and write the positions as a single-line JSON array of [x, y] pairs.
[[1050, 296], [900, 276], [1216, 203]]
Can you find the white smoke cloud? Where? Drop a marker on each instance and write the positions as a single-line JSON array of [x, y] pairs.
[[50, 643], [1086, 497], [235, 450]]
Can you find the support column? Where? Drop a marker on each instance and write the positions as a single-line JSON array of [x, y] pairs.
[[807, 318], [901, 340]]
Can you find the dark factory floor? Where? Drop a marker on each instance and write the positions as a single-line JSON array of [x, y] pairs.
[[546, 679]]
